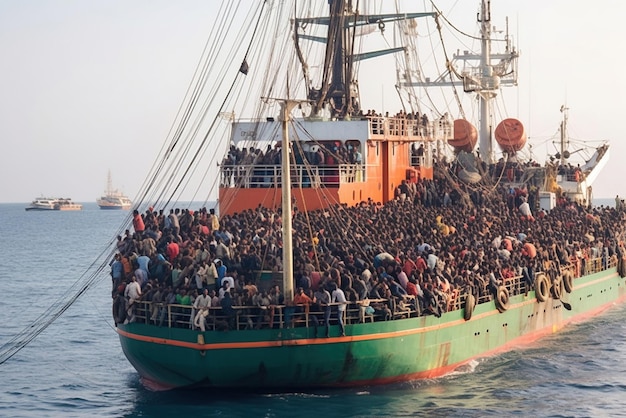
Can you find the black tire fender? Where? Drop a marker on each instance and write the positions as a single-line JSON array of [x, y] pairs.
[[542, 287], [502, 298], [470, 302], [568, 281]]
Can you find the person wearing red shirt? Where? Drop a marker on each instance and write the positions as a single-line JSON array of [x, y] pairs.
[[172, 250], [138, 224]]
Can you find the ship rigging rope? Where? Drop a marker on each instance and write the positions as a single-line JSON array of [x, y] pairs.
[[338, 212], [165, 172], [87, 280], [62, 304], [336, 209], [451, 69], [201, 149], [439, 12], [183, 116]]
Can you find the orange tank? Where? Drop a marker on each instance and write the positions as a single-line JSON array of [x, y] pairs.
[[465, 136], [510, 135]]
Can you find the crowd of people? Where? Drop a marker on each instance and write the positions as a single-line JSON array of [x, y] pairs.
[[424, 251]]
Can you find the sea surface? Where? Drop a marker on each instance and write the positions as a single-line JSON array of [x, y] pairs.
[[76, 368]]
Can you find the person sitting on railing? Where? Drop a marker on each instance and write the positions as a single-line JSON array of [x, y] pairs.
[[301, 304], [200, 319], [200, 306]]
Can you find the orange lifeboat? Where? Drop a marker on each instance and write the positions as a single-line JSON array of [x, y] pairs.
[[465, 136], [510, 135]]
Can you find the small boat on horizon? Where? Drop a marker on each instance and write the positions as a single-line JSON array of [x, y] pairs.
[[113, 199], [53, 203]]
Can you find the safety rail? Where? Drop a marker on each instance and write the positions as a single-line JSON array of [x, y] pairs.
[[255, 317], [410, 128], [287, 316], [302, 175]]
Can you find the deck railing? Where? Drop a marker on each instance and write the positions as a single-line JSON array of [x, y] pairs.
[[284, 316], [262, 176], [254, 317], [410, 128]]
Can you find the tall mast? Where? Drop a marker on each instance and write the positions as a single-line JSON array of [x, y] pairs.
[[339, 90], [482, 73], [486, 128], [564, 153], [109, 183], [286, 108]]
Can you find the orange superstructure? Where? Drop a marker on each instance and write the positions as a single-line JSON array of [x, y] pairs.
[[347, 161]]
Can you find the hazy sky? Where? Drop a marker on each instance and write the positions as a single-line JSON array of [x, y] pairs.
[[91, 86]]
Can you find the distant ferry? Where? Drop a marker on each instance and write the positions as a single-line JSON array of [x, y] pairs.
[[53, 203], [113, 199]]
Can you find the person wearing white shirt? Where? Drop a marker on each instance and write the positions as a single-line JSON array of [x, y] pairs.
[[200, 310], [339, 297]]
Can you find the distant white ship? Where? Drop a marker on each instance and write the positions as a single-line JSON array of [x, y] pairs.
[[53, 203], [113, 198]]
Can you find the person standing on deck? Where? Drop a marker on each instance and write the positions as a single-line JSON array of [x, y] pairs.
[[214, 221], [276, 299], [339, 297], [132, 293], [221, 271], [117, 272], [173, 222], [322, 299], [172, 250], [138, 224], [143, 262]]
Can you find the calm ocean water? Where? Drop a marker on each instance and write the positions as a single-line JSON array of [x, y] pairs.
[[76, 368]]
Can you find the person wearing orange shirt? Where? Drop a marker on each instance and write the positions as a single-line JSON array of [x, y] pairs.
[[301, 302], [138, 224]]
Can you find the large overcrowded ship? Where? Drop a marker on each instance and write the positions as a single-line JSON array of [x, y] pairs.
[[352, 246]]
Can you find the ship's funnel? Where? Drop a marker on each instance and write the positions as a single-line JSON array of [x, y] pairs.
[[465, 136], [511, 135]]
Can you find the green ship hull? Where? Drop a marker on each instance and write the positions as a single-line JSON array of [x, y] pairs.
[[370, 353]]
